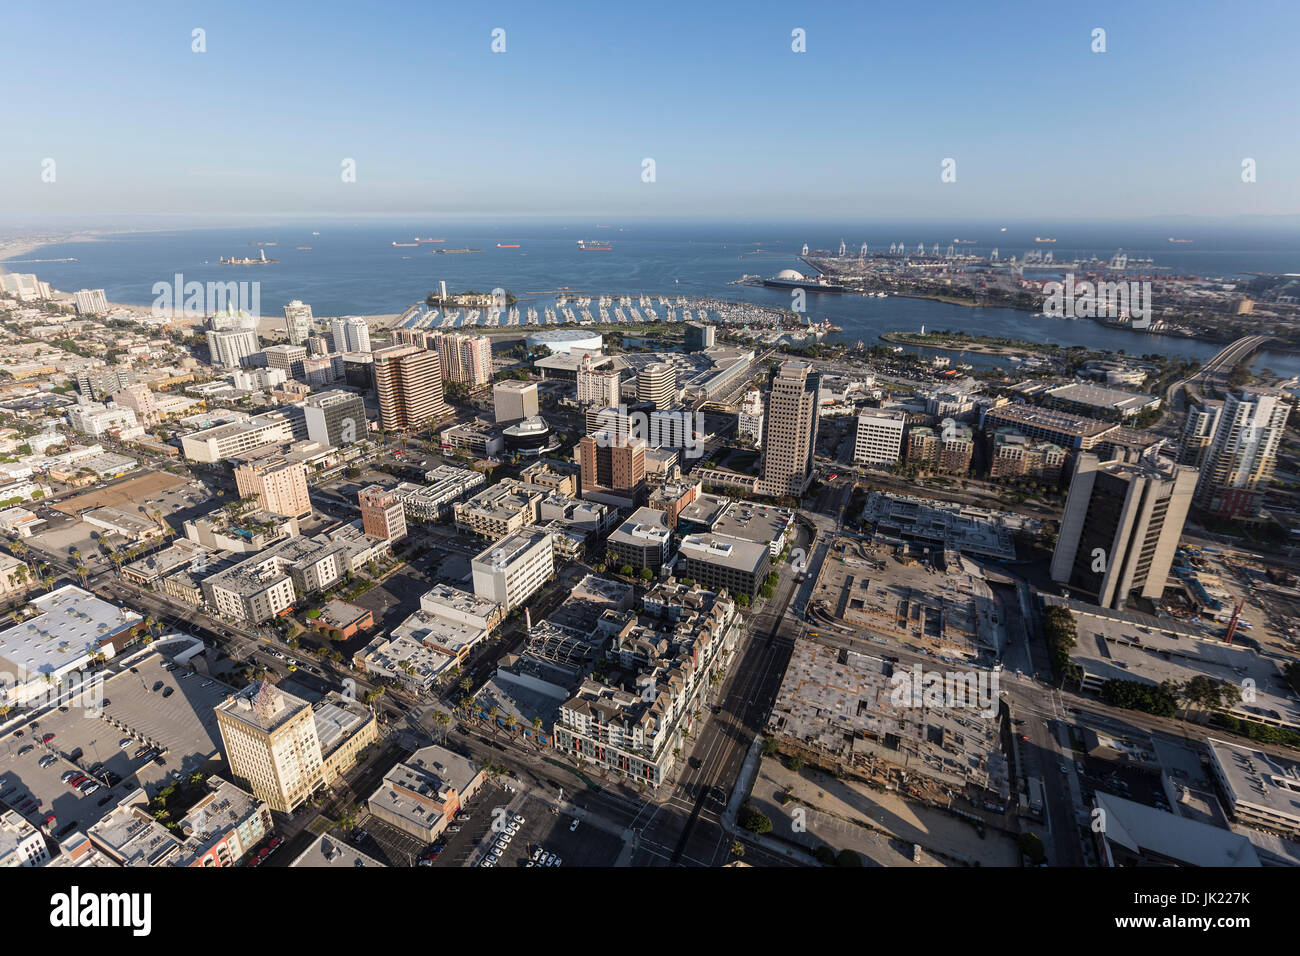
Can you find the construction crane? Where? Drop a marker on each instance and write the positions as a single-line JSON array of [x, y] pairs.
[[1236, 618]]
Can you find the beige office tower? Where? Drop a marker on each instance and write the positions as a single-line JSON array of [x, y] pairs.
[[465, 358], [513, 401], [298, 322], [408, 381], [270, 741], [657, 383], [597, 387], [1121, 527], [790, 430], [279, 484], [1242, 455]]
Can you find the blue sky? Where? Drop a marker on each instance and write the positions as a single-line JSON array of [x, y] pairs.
[[737, 123]]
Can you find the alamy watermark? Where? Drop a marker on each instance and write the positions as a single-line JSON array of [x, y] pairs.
[[197, 298], [973, 689], [1102, 300], [673, 429]]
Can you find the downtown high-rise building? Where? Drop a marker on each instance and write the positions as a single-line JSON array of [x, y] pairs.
[[335, 418], [613, 468], [790, 430], [466, 359], [229, 347], [1121, 527], [351, 334], [597, 387], [1198, 433], [1240, 459], [298, 322], [657, 383], [408, 382], [278, 483], [288, 358], [271, 745]]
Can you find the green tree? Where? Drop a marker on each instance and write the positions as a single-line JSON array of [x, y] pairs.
[[754, 821]]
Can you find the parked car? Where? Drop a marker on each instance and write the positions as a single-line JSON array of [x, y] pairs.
[[574, 825], [67, 776], [48, 760], [22, 751], [47, 738], [169, 691]]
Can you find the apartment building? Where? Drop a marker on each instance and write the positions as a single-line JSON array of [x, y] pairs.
[[674, 646], [278, 483], [298, 322], [270, 742], [499, 509], [1015, 455], [466, 359], [613, 468], [351, 334], [1242, 456], [443, 486], [948, 448], [597, 386]]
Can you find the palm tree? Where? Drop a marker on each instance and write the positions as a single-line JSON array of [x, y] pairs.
[[512, 723], [492, 713], [442, 719], [537, 731]]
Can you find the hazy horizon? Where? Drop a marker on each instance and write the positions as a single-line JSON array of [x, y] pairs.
[[856, 127]]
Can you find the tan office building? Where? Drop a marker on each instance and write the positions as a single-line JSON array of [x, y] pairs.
[[279, 484], [270, 742], [408, 381], [790, 430]]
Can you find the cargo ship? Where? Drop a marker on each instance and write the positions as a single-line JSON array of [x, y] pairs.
[[1172, 239], [594, 245], [261, 260], [405, 245], [507, 245], [1041, 239], [453, 252], [418, 239]]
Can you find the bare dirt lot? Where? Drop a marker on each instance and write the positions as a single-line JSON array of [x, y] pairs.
[[129, 495]]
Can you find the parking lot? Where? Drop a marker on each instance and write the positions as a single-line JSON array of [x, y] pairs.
[[110, 743], [542, 827]]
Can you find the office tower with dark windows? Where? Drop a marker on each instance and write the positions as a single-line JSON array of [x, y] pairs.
[[1121, 527]]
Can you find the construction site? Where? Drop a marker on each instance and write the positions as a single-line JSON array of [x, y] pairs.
[[941, 603], [843, 711]]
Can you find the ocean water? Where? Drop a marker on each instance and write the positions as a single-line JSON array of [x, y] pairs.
[[355, 269]]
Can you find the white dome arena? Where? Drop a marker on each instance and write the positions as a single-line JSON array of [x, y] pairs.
[[789, 274], [564, 341]]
